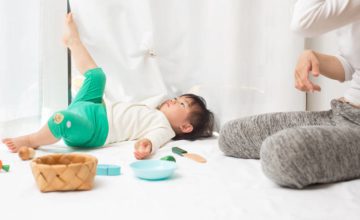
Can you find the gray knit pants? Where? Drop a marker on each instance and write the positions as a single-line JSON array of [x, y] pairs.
[[297, 149]]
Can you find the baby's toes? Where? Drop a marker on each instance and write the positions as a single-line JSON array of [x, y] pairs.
[[10, 143], [12, 148], [4, 140]]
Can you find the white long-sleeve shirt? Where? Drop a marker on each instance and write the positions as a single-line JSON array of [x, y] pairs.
[[130, 121], [315, 17]]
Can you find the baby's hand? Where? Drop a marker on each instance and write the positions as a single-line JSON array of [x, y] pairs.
[[71, 34], [142, 149]]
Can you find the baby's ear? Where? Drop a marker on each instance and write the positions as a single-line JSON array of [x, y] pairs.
[[186, 128]]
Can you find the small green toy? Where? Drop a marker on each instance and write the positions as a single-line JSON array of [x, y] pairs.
[[4, 167], [178, 151], [168, 158], [192, 156]]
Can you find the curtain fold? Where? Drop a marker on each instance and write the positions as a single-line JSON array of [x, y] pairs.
[[19, 65], [119, 35], [239, 55]]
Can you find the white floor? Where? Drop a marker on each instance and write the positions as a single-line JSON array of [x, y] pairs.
[[223, 188]]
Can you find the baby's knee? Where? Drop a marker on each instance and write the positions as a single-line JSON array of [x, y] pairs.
[[61, 117], [98, 74], [282, 160], [59, 122]]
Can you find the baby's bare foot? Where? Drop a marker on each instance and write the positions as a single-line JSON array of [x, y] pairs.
[[14, 144], [71, 34]]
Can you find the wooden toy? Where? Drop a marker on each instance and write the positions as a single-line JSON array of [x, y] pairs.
[[108, 170], [4, 167], [64, 172], [184, 153], [26, 153]]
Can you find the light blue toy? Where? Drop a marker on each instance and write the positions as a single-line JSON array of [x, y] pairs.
[[107, 170], [153, 169]]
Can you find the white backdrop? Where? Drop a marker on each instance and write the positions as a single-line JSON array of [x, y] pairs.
[[239, 55], [33, 67], [19, 62]]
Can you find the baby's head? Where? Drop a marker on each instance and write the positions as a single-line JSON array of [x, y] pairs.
[[188, 116]]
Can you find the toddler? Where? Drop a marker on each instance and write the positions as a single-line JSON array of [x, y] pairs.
[[90, 122]]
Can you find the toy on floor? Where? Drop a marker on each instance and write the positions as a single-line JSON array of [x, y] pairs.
[[153, 169], [4, 167], [108, 170], [26, 153], [184, 153], [168, 158], [64, 172]]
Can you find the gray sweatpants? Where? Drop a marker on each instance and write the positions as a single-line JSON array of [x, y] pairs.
[[297, 149]]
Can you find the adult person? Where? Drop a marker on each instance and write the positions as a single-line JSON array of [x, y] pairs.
[[297, 149]]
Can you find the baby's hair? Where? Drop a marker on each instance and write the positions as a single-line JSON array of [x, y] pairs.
[[201, 118]]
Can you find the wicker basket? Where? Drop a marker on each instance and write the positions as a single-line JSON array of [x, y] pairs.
[[64, 172]]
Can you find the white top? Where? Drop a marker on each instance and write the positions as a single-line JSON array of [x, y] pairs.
[[315, 17], [130, 121]]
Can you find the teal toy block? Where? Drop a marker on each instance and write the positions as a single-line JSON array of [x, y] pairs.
[[108, 170]]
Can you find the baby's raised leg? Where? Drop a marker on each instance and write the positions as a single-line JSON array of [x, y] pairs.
[[33, 140], [79, 53]]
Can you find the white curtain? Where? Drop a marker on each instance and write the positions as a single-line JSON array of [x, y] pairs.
[[20, 98], [119, 35], [239, 55]]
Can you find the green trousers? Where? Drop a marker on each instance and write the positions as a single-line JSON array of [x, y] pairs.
[[84, 123]]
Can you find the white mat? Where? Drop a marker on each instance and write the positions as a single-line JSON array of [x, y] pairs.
[[223, 188]]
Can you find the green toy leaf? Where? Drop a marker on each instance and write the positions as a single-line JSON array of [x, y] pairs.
[[168, 158], [6, 168]]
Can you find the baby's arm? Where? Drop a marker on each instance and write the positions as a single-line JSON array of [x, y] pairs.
[[71, 39], [143, 148], [152, 141]]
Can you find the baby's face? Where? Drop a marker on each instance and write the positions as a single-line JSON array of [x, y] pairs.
[[177, 110]]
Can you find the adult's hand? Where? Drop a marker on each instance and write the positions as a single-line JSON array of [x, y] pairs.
[[307, 64]]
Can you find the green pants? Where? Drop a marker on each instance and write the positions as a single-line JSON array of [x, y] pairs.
[[84, 123]]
